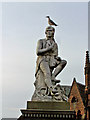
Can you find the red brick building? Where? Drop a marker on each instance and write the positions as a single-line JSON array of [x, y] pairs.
[[79, 96]]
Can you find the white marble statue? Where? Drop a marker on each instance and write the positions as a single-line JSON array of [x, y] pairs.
[[48, 66]]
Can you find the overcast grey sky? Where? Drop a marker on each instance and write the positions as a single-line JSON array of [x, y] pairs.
[[23, 24]]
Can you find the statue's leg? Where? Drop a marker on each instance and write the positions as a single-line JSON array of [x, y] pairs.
[[47, 74], [59, 68]]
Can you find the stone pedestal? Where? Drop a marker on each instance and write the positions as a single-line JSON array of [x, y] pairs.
[[47, 111]]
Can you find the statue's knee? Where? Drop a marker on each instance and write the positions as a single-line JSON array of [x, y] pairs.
[[63, 62]]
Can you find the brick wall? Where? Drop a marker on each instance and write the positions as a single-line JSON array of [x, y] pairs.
[[78, 105]]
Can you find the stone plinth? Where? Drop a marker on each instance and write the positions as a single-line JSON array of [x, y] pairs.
[[47, 111]]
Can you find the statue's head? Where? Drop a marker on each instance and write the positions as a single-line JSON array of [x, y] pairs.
[[50, 32]]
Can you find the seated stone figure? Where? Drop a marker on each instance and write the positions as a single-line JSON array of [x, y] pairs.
[[48, 66]]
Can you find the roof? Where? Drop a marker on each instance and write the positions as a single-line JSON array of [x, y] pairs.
[[81, 89]]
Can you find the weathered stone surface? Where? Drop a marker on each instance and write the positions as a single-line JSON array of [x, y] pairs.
[[48, 105], [48, 66]]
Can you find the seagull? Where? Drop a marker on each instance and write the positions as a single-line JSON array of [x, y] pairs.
[[50, 22]]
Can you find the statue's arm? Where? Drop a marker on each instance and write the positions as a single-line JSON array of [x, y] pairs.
[[40, 50]]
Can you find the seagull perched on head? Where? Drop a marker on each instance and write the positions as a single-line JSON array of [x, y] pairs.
[[50, 22]]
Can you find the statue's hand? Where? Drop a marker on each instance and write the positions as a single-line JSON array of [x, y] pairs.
[[58, 58], [51, 47], [41, 50]]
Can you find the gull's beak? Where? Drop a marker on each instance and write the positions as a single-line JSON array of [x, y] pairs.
[[47, 16]]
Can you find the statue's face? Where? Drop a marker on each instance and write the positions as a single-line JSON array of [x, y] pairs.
[[49, 32]]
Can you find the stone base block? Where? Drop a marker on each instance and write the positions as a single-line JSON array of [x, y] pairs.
[[48, 105], [47, 111]]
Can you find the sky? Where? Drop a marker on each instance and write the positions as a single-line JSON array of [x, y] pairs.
[[23, 24]]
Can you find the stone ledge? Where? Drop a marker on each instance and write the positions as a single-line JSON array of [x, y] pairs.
[[38, 114]]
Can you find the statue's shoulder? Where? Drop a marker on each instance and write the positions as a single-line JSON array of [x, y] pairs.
[[41, 40]]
